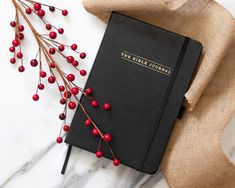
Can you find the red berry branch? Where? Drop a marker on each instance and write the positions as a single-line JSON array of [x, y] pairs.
[[44, 59]]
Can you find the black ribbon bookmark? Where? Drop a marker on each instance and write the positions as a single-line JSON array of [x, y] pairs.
[[66, 159]]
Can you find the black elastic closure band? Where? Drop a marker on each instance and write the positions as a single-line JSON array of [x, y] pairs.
[[181, 112], [66, 159], [165, 100]]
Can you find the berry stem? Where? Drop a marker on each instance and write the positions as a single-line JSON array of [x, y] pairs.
[[47, 45]]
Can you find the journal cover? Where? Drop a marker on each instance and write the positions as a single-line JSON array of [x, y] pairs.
[[144, 72]]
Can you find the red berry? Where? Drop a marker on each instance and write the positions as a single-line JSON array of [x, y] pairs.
[[74, 47], [52, 8], [75, 63], [41, 13], [95, 132], [75, 90], [72, 105], [116, 162], [36, 97], [89, 91], [67, 94], [83, 55], [71, 77], [28, 10], [62, 116], [63, 101], [41, 86], [52, 65], [21, 68], [12, 49], [60, 30], [107, 106], [37, 6], [66, 128], [82, 72], [34, 63], [48, 26], [64, 12], [12, 60], [61, 88], [88, 122], [51, 79], [20, 28], [70, 59], [107, 137], [15, 42], [52, 51], [99, 154], [61, 48], [13, 24], [52, 34], [43, 74], [59, 140], [94, 104], [21, 36], [19, 55]]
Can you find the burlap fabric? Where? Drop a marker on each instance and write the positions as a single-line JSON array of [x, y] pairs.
[[194, 157]]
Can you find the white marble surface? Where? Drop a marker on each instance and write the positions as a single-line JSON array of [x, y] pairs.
[[29, 156]]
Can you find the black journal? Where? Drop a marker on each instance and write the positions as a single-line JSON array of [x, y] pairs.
[[144, 72]]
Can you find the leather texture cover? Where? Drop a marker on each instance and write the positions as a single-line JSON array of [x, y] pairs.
[[144, 72]]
